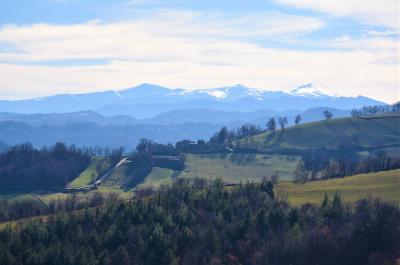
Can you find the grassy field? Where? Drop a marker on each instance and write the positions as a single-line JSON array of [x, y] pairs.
[[48, 197], [157, 177], [238, 167], [90, 173], [231, 168], [383, 185], [331, 134]]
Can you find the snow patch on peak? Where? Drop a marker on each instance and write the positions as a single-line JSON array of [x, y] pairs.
[[311, 90], [217, 93]]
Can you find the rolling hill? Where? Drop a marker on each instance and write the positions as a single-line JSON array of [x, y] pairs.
[[57, 119], [176, 116], [335, 134], [88, 128], [91, 134], [384, 185], [232, 168]]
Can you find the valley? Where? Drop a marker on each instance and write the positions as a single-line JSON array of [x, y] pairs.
[[255, 157], [291, 178]]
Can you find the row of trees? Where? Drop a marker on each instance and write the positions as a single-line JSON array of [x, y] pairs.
[[318, 164], [225, 136], [283, 121], [247, 225], [377, 109]]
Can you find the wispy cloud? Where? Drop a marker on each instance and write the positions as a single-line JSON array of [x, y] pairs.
[[167, 35], [192, 50], [380, 12]]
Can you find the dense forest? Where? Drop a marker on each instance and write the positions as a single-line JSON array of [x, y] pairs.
[[23, 167], [246, 224]]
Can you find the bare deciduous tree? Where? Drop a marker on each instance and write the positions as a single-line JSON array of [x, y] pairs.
[[283, 121], [297, 119]]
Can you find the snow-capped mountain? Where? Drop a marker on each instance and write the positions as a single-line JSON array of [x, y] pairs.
[[231, 93], [148, 100], [311, 90], [239, 91]]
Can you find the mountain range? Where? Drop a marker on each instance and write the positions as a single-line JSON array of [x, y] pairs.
[[121, 118], [147, 100]]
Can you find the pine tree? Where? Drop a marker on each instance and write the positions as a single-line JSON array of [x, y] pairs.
[[120, 257], [104, 258]]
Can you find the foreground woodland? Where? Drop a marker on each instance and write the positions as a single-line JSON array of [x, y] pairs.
[[185, 224]]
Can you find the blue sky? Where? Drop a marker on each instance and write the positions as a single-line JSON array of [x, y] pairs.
[[349, 47]]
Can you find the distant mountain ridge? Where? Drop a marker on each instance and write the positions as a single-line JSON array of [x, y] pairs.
[[176, 116], [148, 100], [91, 134], [54, 119], [88, 128]]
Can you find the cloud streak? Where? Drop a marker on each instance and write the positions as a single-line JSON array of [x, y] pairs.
[[146, 38], [380, 12], [193, 50]]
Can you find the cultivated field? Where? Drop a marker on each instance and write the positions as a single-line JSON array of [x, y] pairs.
[[232, 168]]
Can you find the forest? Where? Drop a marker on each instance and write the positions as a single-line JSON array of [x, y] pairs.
[[246, 224], [22, 167]]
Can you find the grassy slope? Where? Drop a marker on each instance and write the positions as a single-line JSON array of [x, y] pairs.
[[230, 167], [362, 132], [87, 175], [384, 185], [157, 177], [238, 167]]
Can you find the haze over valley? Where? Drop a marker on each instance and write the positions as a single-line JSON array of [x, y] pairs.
[[121, 118]]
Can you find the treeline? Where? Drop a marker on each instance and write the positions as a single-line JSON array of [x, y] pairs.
[[220, 141], [377, 109], [247, 225], [319, 164], [224, 135], [23, 167]]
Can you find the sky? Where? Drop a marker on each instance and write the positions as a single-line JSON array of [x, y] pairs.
[[348, 47]]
